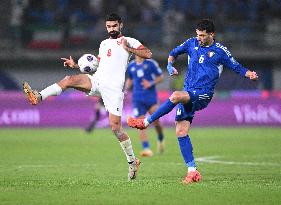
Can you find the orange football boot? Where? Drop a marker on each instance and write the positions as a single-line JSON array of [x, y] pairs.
[[136, 123], [191, 177], [32, 95], [146, 153]]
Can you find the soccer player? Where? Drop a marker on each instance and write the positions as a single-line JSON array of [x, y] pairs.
[[99, 106], [107, 82], [206, 59], [144, 74]]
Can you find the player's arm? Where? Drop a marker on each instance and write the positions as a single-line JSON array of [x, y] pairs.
[[231, 63], [170, 68], [128, 84], [183, 48], [141, 51], [147, 84], [69, 62]]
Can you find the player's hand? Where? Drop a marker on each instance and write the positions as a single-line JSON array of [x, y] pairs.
[[146, 84], [252, 75], [69, 62], [125, 44], [171, 70]]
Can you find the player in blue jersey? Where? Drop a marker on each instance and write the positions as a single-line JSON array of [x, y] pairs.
[[94, 121], [206, 59], [143, 75]]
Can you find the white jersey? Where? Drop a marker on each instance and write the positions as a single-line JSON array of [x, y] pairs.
[[113, 61]]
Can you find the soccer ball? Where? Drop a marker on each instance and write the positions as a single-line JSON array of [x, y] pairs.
[[88, 63]]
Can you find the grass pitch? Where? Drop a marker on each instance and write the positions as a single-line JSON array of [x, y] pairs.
[[68, 166]]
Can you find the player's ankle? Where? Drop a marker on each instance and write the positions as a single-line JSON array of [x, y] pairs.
[[146, 122]]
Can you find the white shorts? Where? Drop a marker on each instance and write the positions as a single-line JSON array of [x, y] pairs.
[[112, 97]]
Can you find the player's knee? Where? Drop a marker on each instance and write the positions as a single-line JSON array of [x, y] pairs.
[[181, 132], [115, 126], [175, 97]]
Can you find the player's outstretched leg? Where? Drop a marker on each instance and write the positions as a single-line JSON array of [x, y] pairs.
[[33, 96], [141, 124], [136, 123]]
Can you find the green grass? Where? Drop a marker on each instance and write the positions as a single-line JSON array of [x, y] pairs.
[[67, 166]]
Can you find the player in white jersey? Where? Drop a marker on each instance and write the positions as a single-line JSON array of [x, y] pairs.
[[107, 82]]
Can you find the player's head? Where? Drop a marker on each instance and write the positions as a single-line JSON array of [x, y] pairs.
[[205, 31], [113, 25]]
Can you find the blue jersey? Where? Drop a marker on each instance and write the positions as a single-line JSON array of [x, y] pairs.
[[148, 70], [205, 64]]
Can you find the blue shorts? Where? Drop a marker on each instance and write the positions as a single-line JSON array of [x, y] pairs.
[[199, 99], [141, 107]]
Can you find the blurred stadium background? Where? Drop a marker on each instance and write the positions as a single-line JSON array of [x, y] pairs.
[[34, 34]]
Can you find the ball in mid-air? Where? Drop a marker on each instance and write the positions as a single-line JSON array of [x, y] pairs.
[[88, 63]]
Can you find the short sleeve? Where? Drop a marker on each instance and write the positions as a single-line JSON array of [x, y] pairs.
[[133, 43]]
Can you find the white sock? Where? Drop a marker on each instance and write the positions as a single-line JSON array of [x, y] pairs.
[[146, 123], [191, 169], [128, 150], [52, 90]]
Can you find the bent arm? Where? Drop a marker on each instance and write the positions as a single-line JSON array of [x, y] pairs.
[[158, 79], [142, 52]]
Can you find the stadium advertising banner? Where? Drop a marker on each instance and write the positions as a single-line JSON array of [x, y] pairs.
[[77, 110]]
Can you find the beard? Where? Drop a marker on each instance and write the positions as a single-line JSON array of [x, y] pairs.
[[114, 34]]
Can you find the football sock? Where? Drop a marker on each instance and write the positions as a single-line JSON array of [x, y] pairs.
[[164, 108], [145, 145], [187, 152], [160, 137], [52, 90], [128, 150]]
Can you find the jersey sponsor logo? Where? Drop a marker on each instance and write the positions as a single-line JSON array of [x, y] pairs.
[[140, 73], [196, 48]]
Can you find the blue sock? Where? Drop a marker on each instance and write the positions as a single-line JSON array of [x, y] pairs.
[[164, 108], [160, 137], [145, 145], [186, 150]]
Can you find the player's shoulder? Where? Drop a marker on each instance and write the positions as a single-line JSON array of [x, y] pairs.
[[104, 42], [129, 38], [222, 49], [151, 61], [189, 42], [131, 63]]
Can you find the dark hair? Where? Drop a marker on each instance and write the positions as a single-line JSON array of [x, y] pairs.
[[207, 25], [113, 17]]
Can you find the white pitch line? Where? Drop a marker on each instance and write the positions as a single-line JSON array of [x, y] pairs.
[[214, 160], [208, 159]]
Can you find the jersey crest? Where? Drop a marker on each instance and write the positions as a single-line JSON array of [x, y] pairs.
[[210, 54]]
